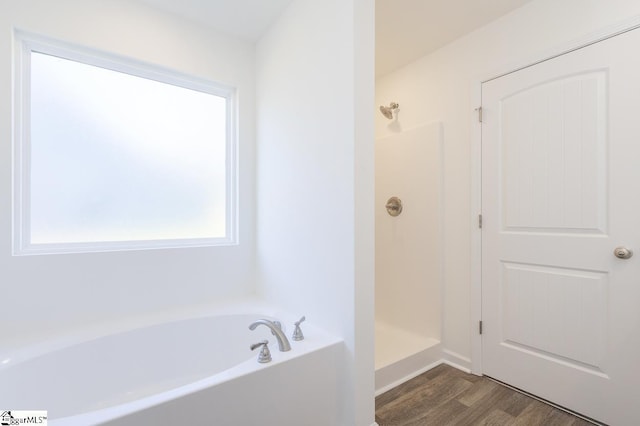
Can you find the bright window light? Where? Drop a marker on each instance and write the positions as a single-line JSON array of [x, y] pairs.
[[114, 156]]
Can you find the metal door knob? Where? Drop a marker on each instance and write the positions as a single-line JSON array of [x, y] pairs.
[[622, 252]]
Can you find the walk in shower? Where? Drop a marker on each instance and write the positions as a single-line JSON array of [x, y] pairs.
[[409, 246]]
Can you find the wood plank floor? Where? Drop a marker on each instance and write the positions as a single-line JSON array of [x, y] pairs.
[[447, 396]]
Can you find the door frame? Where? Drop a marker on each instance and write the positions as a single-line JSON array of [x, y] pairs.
[[476, 162]]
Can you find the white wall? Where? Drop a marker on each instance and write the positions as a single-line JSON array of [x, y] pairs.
[[440, 87], [315, 179], [44, 295]]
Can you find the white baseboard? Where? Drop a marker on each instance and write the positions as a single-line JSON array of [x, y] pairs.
[[406, 378], [392, 375], [385, 381], [456, 360]]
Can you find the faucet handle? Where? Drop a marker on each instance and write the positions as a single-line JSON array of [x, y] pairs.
[[297, 333], [265, 354]]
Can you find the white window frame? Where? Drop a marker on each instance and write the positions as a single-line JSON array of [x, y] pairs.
[[25, 43]]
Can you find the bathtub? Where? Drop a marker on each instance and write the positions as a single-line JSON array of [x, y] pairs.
[[197, 371]]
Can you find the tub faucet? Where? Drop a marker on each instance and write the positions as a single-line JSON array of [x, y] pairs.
[[283, 342]]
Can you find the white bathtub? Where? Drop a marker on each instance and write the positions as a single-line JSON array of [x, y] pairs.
[[197, 371]]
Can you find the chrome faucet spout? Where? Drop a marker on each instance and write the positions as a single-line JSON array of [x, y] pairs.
[[283, 342]]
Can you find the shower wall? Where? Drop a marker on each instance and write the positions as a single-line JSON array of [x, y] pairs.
[[409, 246]]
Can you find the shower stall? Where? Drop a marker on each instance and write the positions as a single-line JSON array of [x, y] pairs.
[[409, 246]]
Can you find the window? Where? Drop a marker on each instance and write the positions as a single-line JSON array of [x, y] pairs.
[[112, 154]]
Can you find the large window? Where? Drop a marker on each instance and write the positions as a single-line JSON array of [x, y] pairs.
[[111, 154]]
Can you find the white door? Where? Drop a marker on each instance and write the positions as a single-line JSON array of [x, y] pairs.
[[560, 191]]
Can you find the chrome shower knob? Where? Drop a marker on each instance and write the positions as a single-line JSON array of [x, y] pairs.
[[394, 206]]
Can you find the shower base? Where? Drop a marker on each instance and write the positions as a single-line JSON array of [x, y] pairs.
[[402, 355]]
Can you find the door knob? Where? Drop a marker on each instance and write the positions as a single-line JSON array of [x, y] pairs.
[[622, 252]]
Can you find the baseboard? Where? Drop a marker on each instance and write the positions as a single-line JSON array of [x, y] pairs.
[[390, 376], [416, 373], [387, 377], [456, 360]]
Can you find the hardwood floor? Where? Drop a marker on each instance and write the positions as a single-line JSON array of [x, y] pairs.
[[447, 396]]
